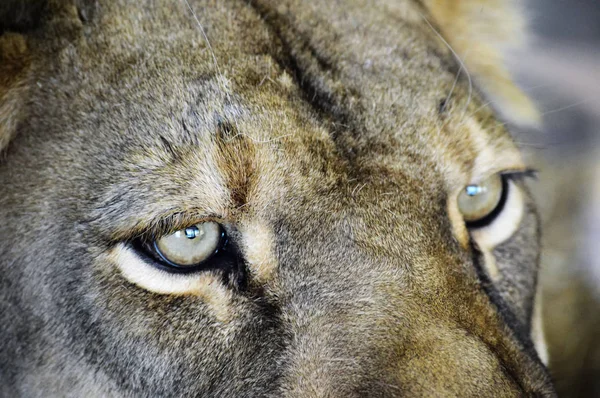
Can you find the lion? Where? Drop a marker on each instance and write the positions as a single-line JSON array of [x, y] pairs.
[[265, 199]]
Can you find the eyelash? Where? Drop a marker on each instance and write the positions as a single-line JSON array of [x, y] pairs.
[[521, 175]]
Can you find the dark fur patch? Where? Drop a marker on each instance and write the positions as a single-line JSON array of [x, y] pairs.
[[236, 160]]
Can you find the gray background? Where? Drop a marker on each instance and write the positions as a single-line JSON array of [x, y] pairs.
[[561, 71]]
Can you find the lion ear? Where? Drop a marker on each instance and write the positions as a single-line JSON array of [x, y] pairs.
[[482, 33]]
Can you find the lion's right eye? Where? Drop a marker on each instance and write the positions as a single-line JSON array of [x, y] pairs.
[[188, 249], [185, 261]]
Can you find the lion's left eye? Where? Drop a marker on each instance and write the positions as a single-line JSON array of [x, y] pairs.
[[481, 203]]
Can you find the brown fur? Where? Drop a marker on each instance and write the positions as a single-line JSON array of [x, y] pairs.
[[330, 139]]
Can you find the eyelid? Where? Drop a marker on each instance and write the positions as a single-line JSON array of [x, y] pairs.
[[175, 222], [165, 224], [521, 174], [513, 174]]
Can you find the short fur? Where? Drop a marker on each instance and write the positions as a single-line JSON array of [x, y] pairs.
[[330, 137]]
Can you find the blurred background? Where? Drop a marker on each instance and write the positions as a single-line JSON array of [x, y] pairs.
[[561, 71]]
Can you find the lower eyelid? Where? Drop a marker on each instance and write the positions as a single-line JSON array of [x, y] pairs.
[[137, 271], [206, 286]]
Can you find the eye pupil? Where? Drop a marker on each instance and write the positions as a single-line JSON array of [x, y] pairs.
[[192, 232]]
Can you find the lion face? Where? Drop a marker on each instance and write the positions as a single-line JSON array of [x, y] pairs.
[[259, 199]]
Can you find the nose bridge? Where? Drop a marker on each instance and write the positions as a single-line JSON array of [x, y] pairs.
[[330, 306], [333, 338]]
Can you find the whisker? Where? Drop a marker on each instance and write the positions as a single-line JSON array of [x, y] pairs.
[[538, 86], [527, 90], [357, 189], [563, 108], [256, 140], [484, 105], [531, 145], [447, 100], [462, 67], [582, 102], [201, 28]]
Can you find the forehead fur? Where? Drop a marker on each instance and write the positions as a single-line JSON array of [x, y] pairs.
[[337, 105], [118, 20]]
